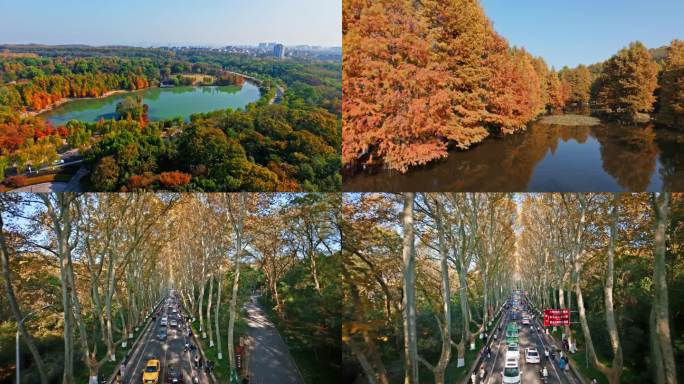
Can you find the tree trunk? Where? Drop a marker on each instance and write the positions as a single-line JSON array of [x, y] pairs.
[[409, 285], [237, 222], [445, 356], [660, 303], [211, 293], [216, 316], [611, 324], [203, 280], [14, 306]]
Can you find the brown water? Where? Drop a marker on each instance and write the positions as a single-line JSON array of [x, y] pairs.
[[607, 157]]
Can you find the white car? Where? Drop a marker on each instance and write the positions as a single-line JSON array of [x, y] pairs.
[[513, 351], [174, 323], [511, 373], [526, 320], [164, 320], [532, 356]]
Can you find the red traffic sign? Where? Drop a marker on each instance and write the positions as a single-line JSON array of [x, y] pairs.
[[556, 317]]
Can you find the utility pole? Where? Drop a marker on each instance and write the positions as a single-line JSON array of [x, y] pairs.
[[17, 341]]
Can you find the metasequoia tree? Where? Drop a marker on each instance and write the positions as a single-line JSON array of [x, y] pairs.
[[422, 76], [628, 81], [671, 111]]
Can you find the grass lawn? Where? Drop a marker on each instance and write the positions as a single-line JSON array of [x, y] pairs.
[[221, 367]]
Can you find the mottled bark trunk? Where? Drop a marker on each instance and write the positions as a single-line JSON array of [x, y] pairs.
[[211, 293], [660, 303], [409, 284], [14, 306]]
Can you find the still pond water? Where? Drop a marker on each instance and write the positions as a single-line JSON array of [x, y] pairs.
[[164, 103], [606, 157]]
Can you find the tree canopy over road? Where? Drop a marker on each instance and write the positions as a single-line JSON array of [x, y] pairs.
[[425, 275], [104, 261]]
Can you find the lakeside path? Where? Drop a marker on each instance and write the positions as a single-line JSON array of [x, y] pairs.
[[270, 360]]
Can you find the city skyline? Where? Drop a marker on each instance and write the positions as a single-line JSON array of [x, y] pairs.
[[174, 23]]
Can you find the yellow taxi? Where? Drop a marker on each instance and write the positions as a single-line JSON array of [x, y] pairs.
[[151, 373]]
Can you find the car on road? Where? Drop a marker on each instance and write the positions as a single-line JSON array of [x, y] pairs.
[[174, 375], [511, 373], [532, 356], [151, 373], [161, 335], [173, 323], [164, 321], [513, 351], [526, 320]]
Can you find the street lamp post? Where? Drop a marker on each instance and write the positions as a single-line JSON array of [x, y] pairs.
[[17, 341]]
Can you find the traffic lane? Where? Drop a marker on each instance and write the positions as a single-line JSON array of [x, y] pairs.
[[150, 348], [495, 364], [530, 372], [528, 339]]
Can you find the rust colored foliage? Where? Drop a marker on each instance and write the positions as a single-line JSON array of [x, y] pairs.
[[672, 88], [419, 78], [174, 179], [136, 182], [16, 181]]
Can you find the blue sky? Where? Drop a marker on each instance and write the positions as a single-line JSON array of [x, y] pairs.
[[160, 22], [572, 32]]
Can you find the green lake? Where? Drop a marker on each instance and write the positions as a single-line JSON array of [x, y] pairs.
[[164, 103]]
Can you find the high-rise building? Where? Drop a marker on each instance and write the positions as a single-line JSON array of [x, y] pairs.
[[279, 51]]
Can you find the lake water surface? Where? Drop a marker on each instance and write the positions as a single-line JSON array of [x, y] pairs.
[[163, 103], [606, 157]]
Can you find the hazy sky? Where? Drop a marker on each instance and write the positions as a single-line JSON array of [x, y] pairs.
[[154, 22], [572, 32]]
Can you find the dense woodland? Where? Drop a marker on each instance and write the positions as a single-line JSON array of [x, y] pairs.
[[422, 78], [103, 260], [290, 146], [424, 273]]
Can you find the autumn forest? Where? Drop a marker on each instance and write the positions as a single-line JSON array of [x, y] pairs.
[[425, 78]]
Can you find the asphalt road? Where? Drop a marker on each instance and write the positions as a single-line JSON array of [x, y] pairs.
[[270, 360], [168, 352], [530, 372]]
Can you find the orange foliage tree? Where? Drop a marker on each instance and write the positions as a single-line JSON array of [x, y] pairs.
[[174, 179], [418, 78]]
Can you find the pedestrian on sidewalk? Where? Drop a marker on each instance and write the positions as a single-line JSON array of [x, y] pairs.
[[200, 362], [122, 370], [482, 373], [196, 361], [473, 378]]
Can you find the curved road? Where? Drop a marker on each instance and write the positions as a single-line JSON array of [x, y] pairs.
[[270, 360]]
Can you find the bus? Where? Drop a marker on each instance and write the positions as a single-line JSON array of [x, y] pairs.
[[512, 333]]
